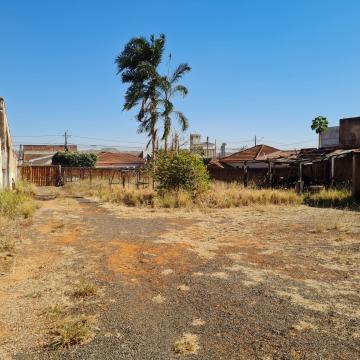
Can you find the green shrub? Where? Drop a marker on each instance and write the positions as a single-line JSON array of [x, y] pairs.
[[180, 171], [74, 159]]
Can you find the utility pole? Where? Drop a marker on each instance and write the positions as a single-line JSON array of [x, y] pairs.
[[66, 141], [207, 146], [255, 140]]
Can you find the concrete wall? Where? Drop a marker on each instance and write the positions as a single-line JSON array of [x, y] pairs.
[[349, 134], [330, 137], [8, 158]]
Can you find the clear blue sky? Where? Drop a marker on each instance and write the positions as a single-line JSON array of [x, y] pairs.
[[258, 67]]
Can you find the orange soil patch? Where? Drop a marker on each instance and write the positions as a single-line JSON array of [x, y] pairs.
[[69, 237], [146, 261]]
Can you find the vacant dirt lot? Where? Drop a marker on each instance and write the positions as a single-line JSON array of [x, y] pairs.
[[249, 283]]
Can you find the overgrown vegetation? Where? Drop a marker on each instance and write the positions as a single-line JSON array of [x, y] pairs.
[[74, 159], [70, 331], [336, 198], [18, 202], [216, 195], [180, 171]]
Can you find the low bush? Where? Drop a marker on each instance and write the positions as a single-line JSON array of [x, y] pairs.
[[180, 171]]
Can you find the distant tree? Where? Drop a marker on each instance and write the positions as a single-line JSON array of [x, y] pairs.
[[138, 64], [150, 92], [74, 159], [169, 88], [319, 125]]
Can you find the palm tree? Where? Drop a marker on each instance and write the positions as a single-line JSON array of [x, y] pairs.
[[138, 65], [169, 88], [319, 124]]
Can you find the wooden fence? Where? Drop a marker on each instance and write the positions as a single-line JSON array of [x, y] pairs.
[[49, 175], [40, 175]]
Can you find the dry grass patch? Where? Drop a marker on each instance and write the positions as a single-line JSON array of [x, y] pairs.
[[72, 330], [19, 202], [159, 299], [85, 289], [7, 244], [187, 344], [198, 322], [331, 198], [54, 310], [224, 195], [219, 195]]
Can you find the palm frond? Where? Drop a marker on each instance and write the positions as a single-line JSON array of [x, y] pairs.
[[179, 72], [181, 89], [183, 120]]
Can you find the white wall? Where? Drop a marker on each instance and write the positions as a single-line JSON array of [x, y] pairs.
[[8, 158]]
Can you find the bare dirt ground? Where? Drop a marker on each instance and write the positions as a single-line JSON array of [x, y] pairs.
[[249, 283]]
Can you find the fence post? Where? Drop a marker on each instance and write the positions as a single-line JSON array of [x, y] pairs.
[[332, 171], [270, 174], [245, 174], [356, 176], [300, 183]]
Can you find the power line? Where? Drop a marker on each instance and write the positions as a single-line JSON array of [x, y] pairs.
[[102, 139], [36, 136]]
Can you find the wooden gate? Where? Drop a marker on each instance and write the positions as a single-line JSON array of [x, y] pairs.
[[40, 175]]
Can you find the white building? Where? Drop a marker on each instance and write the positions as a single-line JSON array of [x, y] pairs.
[[8, 157]]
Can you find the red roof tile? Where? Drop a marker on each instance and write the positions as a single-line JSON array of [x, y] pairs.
[[258, 152], [114, 158], [214, 163]]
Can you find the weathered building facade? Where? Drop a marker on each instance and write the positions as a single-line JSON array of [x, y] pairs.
[[8, 157]]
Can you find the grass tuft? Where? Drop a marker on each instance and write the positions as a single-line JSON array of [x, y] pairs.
[[71, 331], [187, 344], [85, 289], [7, 244]]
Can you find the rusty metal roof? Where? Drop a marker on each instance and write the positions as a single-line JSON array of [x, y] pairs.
[[258, 152]]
